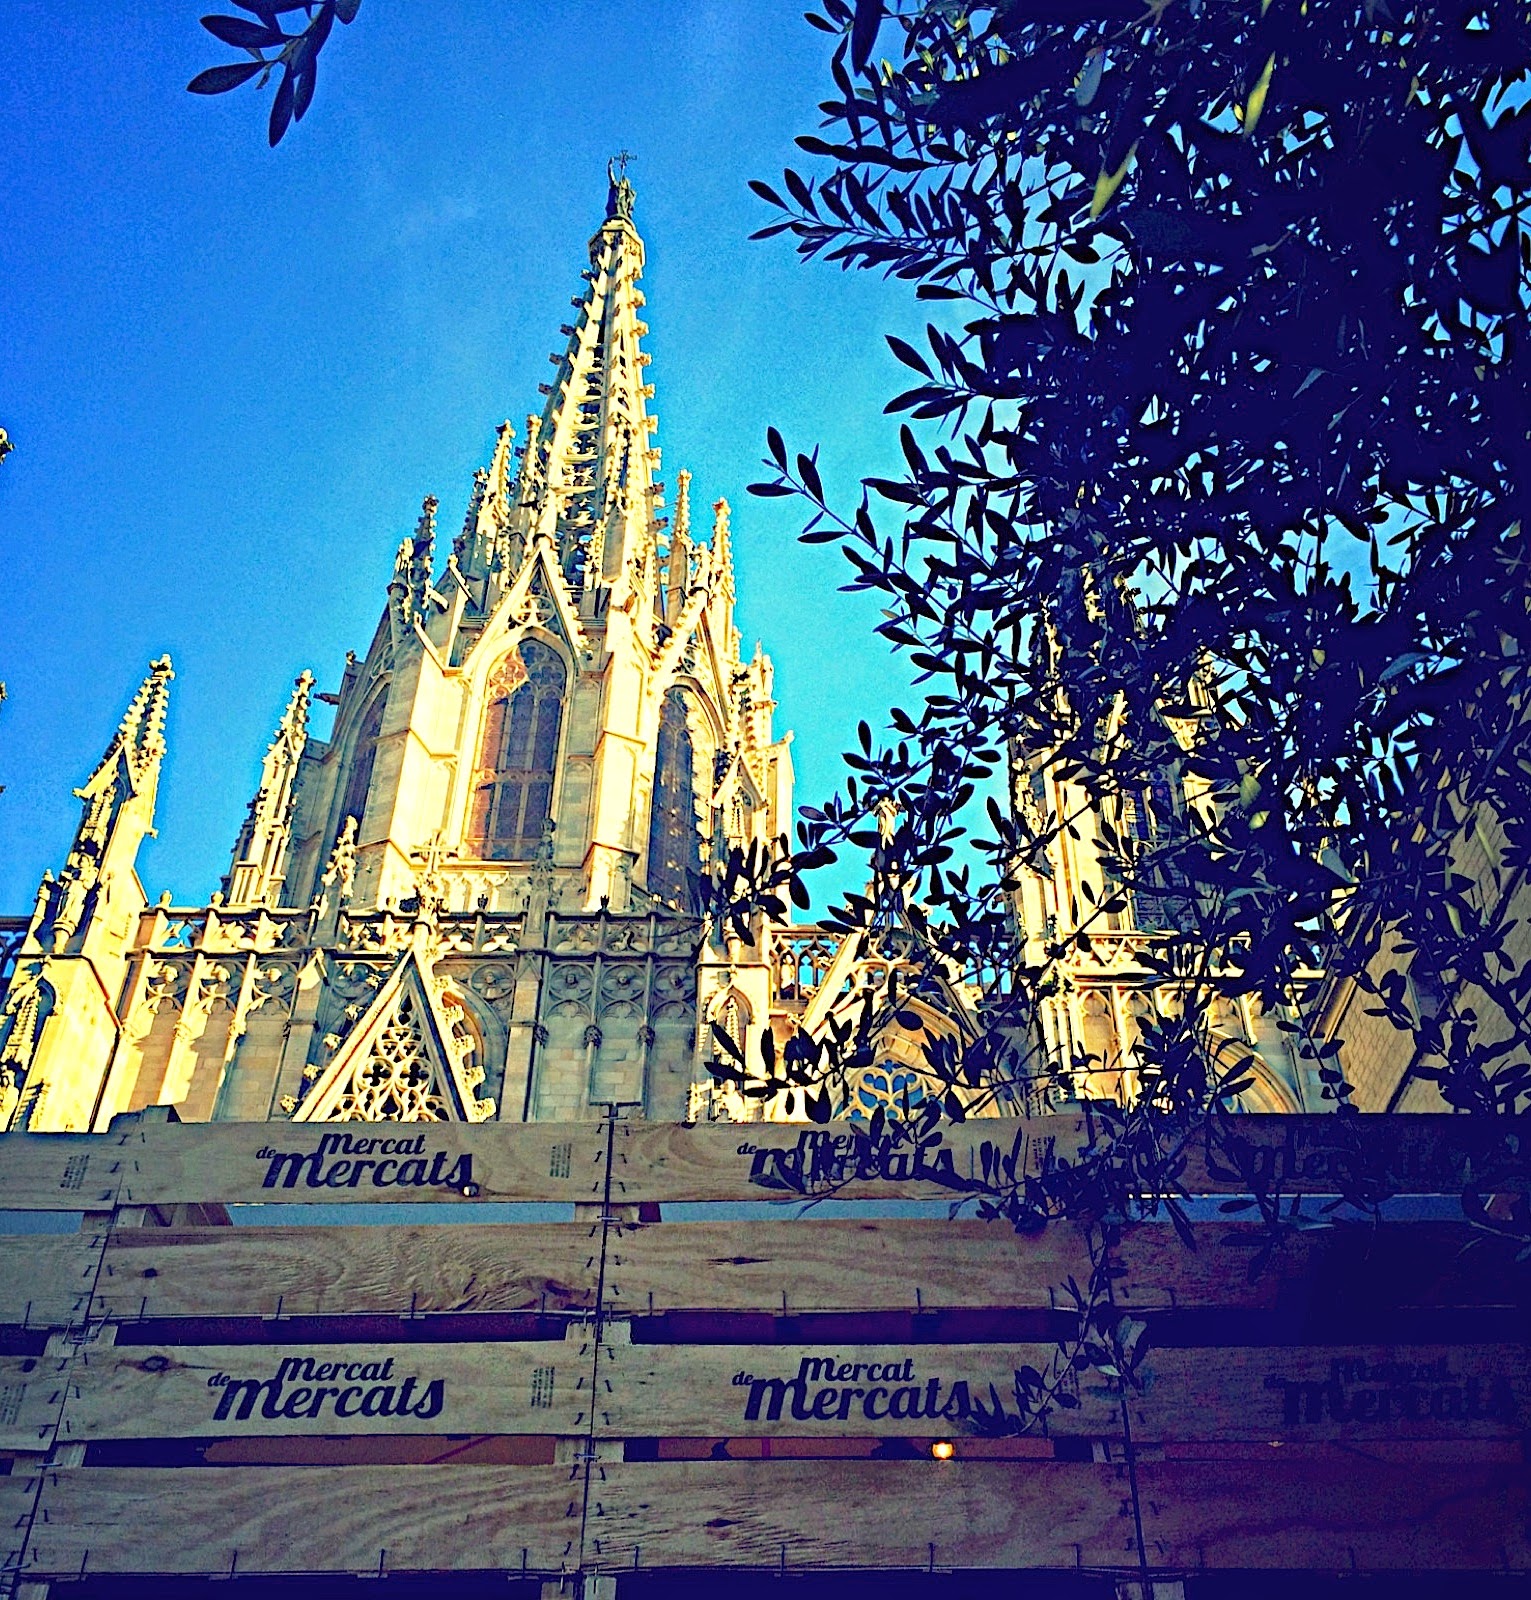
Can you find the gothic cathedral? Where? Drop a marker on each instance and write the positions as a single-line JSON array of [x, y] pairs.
[[474, 900], [477, 899]]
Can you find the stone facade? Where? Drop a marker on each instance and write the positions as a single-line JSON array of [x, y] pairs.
[[475, 898]]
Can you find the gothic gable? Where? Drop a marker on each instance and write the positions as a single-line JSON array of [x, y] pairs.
[[539, 598], [401, 1063]]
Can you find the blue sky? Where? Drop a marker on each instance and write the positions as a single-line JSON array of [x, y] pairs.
[[232, 373]]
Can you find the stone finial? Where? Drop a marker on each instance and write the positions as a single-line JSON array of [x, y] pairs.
[[340, 872], [722, 550]]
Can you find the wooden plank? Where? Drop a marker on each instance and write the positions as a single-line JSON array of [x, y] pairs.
[[1299, 1394], [782, 1268], [822, 1391], [219, 1391], [789, 1268], [666, 1161], [1404, 1153], [1295, 1155], [18, 1494], [1351, 1513], [162, 1163], [31, 1395], [1346, 1270], [858, 1514], [390, 1270], [1307, 1394], [56, 1172], [233, 1520], [448, 1163], [46, 1279]]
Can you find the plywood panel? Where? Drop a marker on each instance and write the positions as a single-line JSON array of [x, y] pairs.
[[1307, 1394], [57, 1171], [267, 1272], [860, 1514], [1398, 1154], [161, 1163], [46, 1279], [1359, 1512], [216, 1391], [806, 1265], [663, 1161], [1349, 1268], [822, 1391], [18, 1493], [304, 1519], [447, 1163], [1292, 1155], [31, 1395]]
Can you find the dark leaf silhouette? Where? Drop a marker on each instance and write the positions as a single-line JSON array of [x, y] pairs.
[[241, 34], [294, 56], [217, 80]]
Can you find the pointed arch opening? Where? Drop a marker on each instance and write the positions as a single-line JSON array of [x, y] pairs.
[[675, 842], [517, 755], [363, 758]]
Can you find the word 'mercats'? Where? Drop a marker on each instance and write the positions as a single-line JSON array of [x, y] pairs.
[[302, 1387], [825, 1390], [349, 1160], [1358, 1390]]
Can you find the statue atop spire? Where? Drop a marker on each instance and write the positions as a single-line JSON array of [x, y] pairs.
[[619, 191]]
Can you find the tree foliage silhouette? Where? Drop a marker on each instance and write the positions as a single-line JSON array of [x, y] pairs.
[[1216, 477], [296, 54]]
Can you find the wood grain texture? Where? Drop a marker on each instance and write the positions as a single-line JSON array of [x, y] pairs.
[[303, 1519], [57, 1171], [18, 1492], [1350, 1268], [175, 1392], [32, 1391], [806, 1266], [1373, 1514], [46, 1279], [859, 1514], [268, 1272]]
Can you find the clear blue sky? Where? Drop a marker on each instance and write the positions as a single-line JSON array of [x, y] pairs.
[[231, 373]]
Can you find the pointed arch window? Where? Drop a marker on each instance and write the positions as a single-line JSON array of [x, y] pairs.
[[518, 754], [363, 757], [674, 841]]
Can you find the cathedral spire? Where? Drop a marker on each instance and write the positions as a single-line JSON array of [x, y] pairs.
[[485, 549], [678, 573], [722, 552], [117, 811], [260, 854], [413, 565], [591, 458]]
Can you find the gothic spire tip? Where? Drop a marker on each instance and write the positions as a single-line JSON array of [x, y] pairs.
[[619, 190]]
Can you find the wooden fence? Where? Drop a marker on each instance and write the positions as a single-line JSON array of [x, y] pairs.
[[661, 1377]]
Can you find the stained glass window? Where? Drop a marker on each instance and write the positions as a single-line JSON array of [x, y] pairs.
[[518, 754], [674, 842]]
